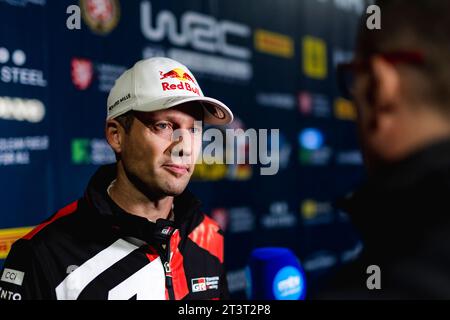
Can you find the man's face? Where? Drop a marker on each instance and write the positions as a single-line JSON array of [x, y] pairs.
[[157, 162], [362, 92]]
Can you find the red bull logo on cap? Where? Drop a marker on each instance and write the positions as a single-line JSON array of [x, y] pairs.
[[183, 77], [177, 73]]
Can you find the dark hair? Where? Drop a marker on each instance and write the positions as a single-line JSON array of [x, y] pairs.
[[126, 121], [415, 25]]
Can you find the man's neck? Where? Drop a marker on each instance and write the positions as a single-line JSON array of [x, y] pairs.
[[130, 199]]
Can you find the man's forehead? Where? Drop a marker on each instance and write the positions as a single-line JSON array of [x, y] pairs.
[[184, 111]]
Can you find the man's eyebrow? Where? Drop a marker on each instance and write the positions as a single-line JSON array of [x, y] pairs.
[[156, 118], [170, 118]]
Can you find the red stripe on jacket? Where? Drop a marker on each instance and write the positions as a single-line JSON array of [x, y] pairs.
[[71, 208], [206, 236]]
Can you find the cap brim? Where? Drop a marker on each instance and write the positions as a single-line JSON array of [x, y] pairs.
[[216, 112]]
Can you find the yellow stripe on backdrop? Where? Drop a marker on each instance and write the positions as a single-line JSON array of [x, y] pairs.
[[9, 236]]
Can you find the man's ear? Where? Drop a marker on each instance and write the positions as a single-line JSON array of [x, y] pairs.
[[384, 94], [114, 135], [386, 84]]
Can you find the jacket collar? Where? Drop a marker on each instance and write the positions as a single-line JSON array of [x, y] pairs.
[[186, 206]]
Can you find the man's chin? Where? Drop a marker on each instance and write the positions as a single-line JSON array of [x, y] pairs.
[[162, 191], [173, 192], [168, 185], [174, 188]]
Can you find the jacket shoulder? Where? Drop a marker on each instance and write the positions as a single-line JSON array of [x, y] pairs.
[[209, 236], [44, 229]]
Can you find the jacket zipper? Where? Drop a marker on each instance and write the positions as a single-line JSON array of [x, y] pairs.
[[168, 272]]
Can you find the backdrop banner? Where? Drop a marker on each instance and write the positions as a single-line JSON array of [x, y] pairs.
[[272, 62]]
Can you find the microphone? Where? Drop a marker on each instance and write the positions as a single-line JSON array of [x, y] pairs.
[[275, 274]]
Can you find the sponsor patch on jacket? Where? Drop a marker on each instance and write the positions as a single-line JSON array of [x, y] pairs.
[[9, 295], [13, 276], [205, 283]]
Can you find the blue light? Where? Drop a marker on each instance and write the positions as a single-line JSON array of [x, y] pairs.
[[311, 139], [289, 284]]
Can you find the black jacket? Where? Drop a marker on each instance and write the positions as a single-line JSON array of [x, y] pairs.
[[92, 249], [403, 215]]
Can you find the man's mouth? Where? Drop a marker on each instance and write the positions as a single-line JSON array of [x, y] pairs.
[[177, 168]]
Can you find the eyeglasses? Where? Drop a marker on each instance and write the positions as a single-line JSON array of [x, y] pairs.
[[346, 71]]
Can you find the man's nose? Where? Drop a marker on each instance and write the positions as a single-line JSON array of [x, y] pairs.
[[182, 143]]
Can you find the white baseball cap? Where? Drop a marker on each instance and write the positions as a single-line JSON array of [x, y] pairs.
[[161, 83]]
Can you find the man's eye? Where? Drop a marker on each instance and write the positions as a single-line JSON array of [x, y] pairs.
[[162, 126], [196, 130]]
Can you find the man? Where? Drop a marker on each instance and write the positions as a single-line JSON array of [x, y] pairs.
[[402, 92], [136, 233]]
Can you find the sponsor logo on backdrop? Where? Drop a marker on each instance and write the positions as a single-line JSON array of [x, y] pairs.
[[314, 212], [210, 172], [273, 43], [236, 148], [355, 6], [220, 215], [313, 149], [342, 56], [349, 157], [239, 149], [17, 150], [279, 216], [84, 70], [19, 109], [319, 261], [91, 152], [237, 280], [14, 69], [312, 104], [101, 16], [234, 220], [24, 3], [315, 58], [9, 236], [107, 74], [352, 253], [276, 100], [205, 283], [200, 41], [344, 109]]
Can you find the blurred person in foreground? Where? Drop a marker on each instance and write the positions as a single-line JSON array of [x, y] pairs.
[[401, 88], [136, 233]]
